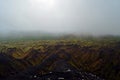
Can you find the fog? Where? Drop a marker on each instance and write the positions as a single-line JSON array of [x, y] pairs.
[[95, 17]]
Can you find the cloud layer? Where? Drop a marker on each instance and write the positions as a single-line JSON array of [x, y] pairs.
[[96, 17]]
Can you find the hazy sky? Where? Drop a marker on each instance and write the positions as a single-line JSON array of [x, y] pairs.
[[58, 16]]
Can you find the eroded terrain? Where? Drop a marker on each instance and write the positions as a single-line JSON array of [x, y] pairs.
[[60, 60]]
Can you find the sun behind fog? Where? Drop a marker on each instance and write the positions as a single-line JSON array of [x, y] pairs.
[[43, 4]]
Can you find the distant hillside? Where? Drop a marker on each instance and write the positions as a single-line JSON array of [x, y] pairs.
[[39, 35], [26, 35]]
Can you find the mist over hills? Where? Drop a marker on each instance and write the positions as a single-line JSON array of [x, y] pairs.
[[33, 35], [27, 35]]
